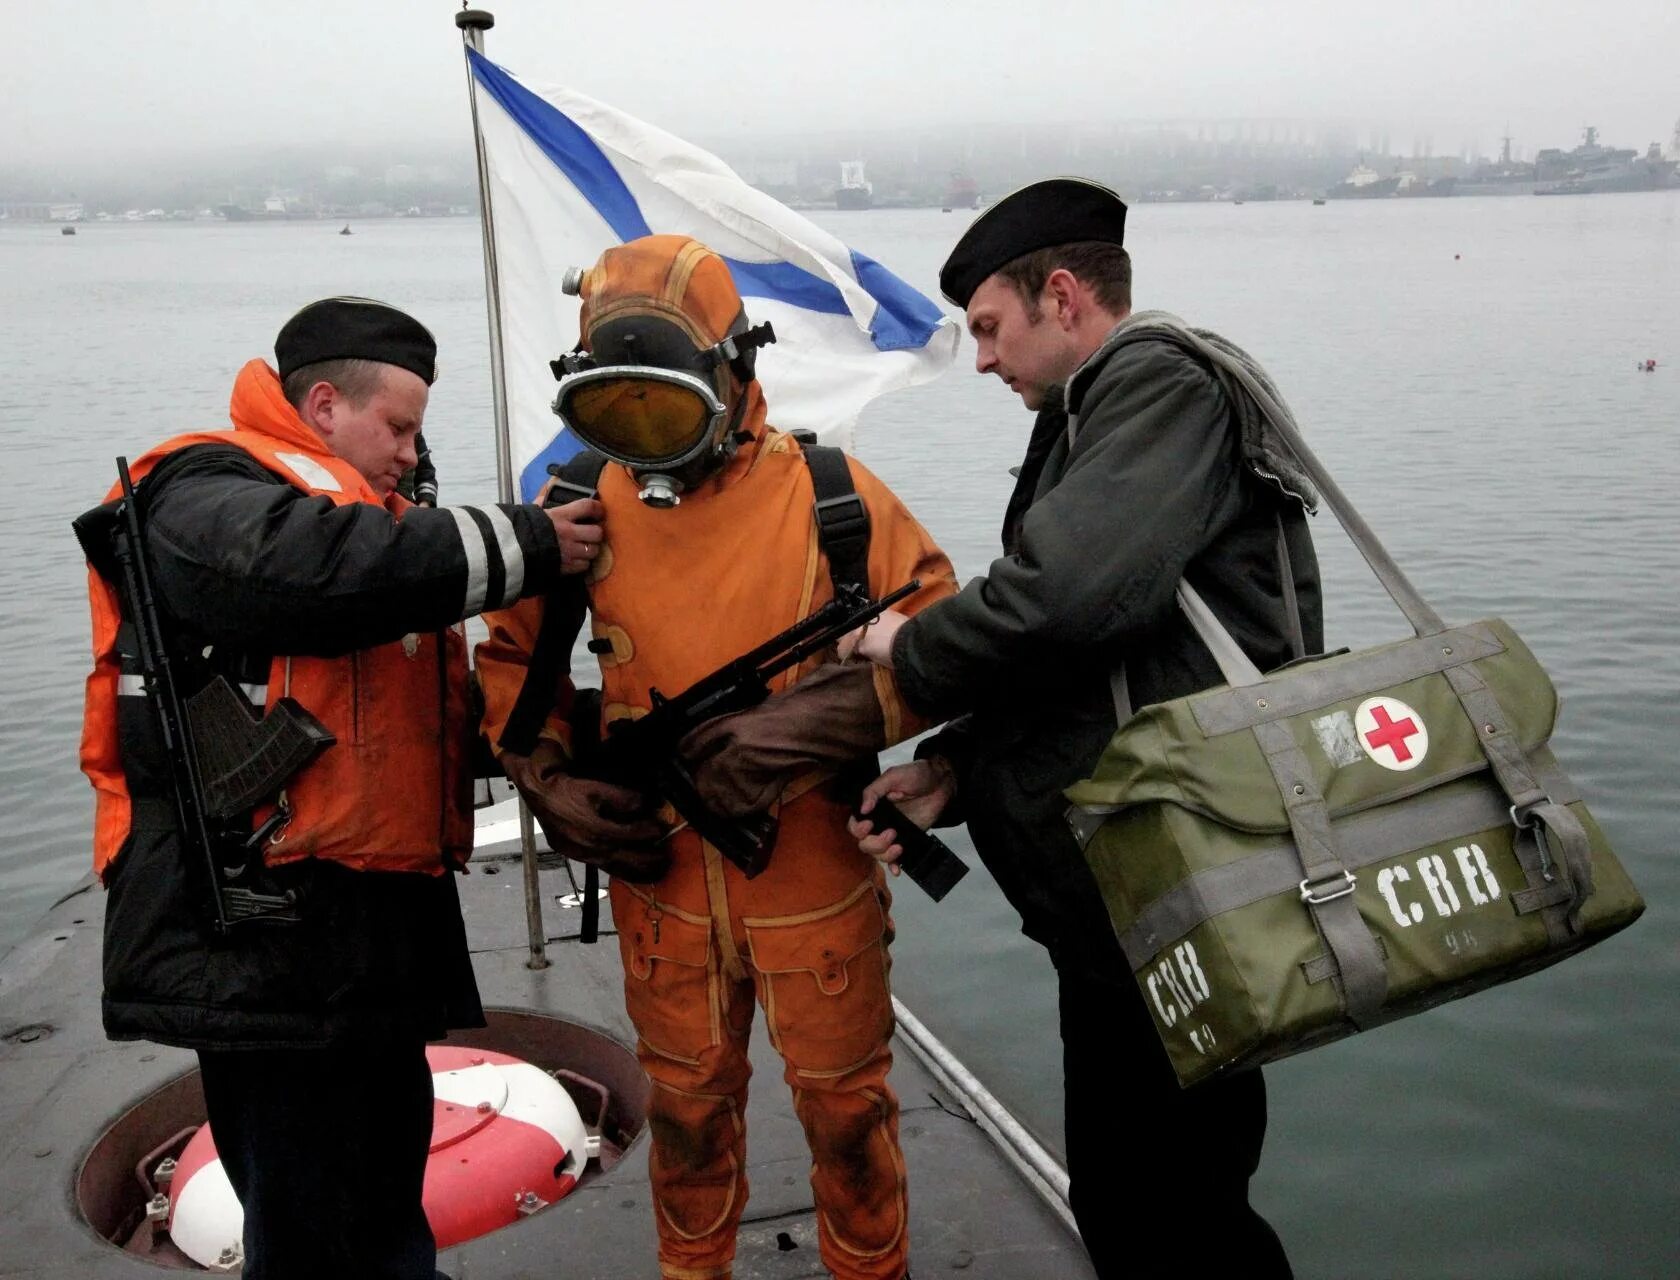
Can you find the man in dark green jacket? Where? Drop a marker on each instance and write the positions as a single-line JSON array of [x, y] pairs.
[[1140, 471]]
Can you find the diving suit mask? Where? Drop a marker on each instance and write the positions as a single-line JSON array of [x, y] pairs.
[[656, 382]]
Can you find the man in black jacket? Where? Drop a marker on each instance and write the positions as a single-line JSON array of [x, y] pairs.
[[278, 562], [1135, 477]]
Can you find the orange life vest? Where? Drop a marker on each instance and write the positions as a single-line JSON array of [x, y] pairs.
[[394, 793]]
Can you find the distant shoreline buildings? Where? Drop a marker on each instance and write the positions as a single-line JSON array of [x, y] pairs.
[[1588, 169], [951, 168]]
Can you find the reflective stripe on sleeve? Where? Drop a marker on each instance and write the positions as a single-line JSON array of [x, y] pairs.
[[476, 547], [513, 559], [131, 686]]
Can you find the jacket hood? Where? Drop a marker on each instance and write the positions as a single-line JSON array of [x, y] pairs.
[[1265, 452]]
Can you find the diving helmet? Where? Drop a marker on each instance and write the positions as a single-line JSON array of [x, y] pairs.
[[656, 380]]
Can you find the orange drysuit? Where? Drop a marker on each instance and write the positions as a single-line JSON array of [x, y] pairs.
[[676, 593]]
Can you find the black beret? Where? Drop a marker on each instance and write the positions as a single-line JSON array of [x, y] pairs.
[[1054, 211], [356, 329]]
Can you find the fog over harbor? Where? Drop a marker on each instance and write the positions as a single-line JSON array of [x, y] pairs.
[[189, 105]]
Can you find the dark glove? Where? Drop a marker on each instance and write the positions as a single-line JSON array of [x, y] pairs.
[[589, 820], [742, 762]]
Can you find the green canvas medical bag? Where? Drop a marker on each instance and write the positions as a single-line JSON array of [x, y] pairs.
[[1297, 856]]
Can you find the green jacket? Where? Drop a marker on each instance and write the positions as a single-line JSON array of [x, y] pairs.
[[1161, 480]]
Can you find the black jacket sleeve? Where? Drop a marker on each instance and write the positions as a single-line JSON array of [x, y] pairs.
[[954, 743], [1150, 479], [242, 557]]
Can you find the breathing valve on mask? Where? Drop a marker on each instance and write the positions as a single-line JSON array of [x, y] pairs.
[[660, 491]]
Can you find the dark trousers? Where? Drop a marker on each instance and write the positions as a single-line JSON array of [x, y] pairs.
[[326, 1150], [1159, 1174]]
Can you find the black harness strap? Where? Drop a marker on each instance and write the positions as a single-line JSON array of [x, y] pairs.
[[563, 615], [843, 533], [589, 928], [842, 519]]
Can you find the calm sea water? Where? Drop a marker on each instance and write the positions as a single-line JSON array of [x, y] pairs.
[[1465, 368]]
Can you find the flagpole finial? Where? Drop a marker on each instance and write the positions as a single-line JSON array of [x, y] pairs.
[[474, 19]]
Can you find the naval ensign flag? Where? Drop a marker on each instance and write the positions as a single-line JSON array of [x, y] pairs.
[[570, 177]]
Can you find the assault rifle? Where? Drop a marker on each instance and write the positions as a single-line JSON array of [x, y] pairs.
[[213, 732], [637, 751]]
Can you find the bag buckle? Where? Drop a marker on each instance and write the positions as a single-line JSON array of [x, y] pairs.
[[843, 517], [1524, 818], [1312, 897], [1085, 823]]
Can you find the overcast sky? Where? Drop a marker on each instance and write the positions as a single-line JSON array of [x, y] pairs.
[[97, 79]]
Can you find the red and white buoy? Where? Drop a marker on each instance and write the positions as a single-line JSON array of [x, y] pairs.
[[506, 1140]]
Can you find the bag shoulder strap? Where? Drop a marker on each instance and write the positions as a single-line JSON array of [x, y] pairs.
[[842, 518], [1424, 620], [1232, 662]]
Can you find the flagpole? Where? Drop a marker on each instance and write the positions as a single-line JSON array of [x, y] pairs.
[[473, 23]]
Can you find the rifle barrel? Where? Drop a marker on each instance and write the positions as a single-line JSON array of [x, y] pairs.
[[723, 690], [850, 619], [165, 697]]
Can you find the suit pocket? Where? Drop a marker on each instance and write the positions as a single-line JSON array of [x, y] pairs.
[[670, 982], [826, 996]]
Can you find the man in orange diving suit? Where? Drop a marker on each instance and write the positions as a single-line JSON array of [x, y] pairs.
[[712, 546]]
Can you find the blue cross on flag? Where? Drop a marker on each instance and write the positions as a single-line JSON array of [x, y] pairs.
[[570, 177]]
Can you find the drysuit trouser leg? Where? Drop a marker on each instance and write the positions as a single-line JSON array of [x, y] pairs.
[[857, 1174], [697, 1119], [830, 1017], [823, 979]]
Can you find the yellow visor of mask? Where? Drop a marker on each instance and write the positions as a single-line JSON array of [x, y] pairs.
[[638, 415]]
